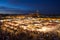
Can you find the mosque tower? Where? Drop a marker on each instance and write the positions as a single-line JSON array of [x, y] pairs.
[[37, 13]]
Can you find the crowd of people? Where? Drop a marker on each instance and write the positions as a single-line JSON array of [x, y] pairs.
[[30, 28]]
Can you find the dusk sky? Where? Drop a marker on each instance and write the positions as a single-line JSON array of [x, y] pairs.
[[44, 6]]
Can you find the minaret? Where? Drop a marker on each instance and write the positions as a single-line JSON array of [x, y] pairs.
[[37, 13]]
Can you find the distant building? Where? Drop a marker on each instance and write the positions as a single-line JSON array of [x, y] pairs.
[[37, 13]]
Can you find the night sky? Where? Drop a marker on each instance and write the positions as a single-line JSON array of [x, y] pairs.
[[51, 7]]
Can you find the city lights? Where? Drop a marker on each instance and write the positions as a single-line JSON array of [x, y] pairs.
[[31, 24]]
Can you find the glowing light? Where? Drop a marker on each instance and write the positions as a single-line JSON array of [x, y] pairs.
[[30, 24]]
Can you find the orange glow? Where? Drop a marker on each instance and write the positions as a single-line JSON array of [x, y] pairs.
[[30, 24]]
